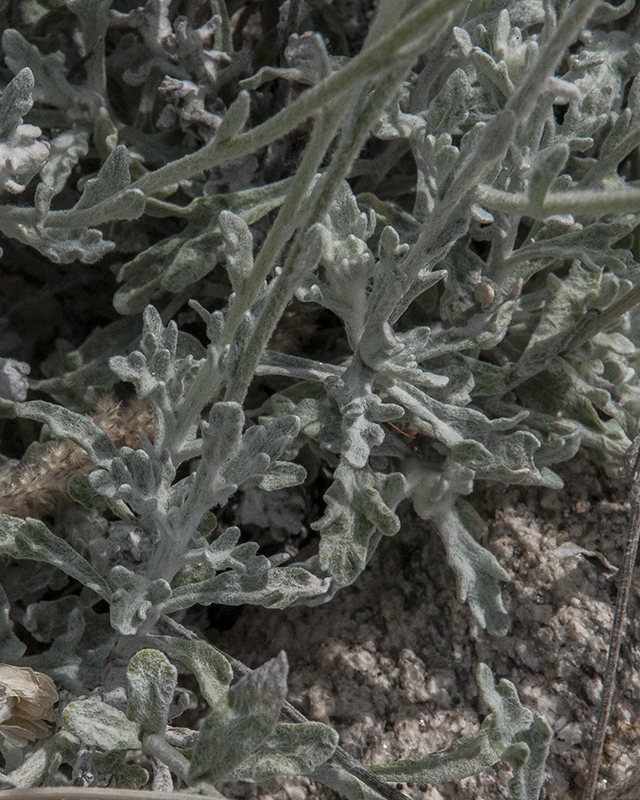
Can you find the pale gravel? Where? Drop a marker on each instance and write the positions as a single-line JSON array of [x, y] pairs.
[[390, 662]]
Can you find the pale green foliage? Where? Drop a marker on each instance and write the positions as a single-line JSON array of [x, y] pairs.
[[510, 733], [100, 724], [478, 267], [21, 154]]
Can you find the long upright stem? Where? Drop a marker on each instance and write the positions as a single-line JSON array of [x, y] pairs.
[[201, 390], [290, 217], [362, 68], [498, 134], [300, 210], [352, 139]]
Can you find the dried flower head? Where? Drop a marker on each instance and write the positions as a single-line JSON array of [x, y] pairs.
[[26, 701], [37, 488]]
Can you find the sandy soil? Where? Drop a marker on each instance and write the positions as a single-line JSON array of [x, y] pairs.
[[390, 661]]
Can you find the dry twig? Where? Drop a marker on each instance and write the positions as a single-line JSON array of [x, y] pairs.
[[626, 576]]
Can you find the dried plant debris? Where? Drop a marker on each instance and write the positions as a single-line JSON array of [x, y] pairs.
[[27, 702], [321, 272]]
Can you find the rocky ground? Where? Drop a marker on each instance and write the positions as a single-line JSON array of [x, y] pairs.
[[390, 662]]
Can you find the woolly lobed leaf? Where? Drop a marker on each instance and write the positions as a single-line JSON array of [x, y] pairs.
[[436, 496], [69, 425], [179, 260], [21, 154], [210, 667], [292, 749], [135, 598], [31, 539], [277, 587], [359, 511], [241, 721], [151, 682], [97, 723]]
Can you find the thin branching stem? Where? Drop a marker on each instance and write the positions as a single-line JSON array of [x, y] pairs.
[[617, 629], [590, 203]]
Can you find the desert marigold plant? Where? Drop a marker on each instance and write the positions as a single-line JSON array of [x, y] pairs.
[[452, 202]]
